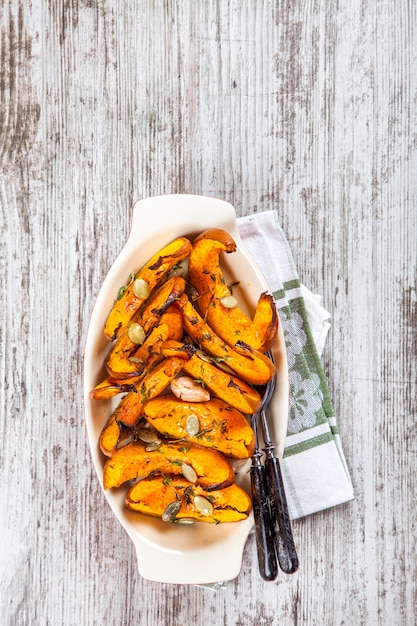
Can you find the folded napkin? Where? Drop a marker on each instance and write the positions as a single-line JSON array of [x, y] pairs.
[[314, 469]]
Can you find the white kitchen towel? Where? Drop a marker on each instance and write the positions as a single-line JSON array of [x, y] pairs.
[[315, 472]]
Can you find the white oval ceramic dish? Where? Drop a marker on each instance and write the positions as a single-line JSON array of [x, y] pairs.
[[173, 553]]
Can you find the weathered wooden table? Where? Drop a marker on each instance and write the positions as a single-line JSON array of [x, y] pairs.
[[303, 107]]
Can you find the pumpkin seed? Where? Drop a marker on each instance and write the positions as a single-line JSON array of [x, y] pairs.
[[222, 366], [203, 356], [171, 511], [147, 435], [185, 520], [154, 445], [181, 269], [203, 505], [141, 288], [229, 302], [192, 425], [189, 473], [136, 333], [135, 359]]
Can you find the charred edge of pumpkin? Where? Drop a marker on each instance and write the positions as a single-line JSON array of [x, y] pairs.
[[115, 332], [118, 385], [126, 375], [244, 346], [182, 350], [234, 385], [172, 298]]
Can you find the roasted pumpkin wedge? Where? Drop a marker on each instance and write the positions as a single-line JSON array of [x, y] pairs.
[[113, 436], [175, 499], [179, 349], [110, 387], [140, 326], [213, 424], [250, 364], [215, 301], [167, 294], [133, 295], [151, 385], [212, 469], [130, 408], [128, 359], [224, 385]]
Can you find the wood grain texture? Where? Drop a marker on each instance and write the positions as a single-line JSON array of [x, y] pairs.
[[305, 107]]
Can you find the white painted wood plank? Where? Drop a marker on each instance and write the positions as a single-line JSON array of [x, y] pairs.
[[307, 108]]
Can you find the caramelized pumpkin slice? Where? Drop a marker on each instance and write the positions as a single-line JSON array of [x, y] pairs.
[[132, 297], [109, 388], [130, 359], [179, 349], [212, 469], [130, 408], [113, 435], [154, 496], [151, 385], [204, 269], [226, 386], [213, 424], [229, 322], [164, 297], [250, 364]]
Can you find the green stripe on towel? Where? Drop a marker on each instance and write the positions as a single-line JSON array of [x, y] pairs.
[[307, 444]]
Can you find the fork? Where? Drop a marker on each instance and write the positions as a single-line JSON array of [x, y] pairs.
[[274, 536], [283, 536], [264, 529]]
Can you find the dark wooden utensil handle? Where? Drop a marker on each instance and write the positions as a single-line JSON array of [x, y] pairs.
[[263, 526], [286, 552]]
